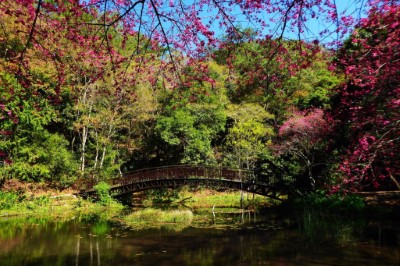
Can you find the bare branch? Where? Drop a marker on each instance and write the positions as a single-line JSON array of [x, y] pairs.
[[140, 27], [31, 33], [106, 28], [163, 31], [285, 20], [221, 10], [126, 12]]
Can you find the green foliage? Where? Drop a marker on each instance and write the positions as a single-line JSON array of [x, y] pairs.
[[179, 123], [32, 112], [278, 75], [34, 203], [314, 86], [42, 157], [207, 199], [111, 164], [190, 123], [11, 201], [332, 203], [36, 154], [41, 201], [245, 139], [103, 191], [249, 136], [8, 200], [100, 228], [275, 169]]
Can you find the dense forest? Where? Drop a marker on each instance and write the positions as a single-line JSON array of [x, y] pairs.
[[84, 95]]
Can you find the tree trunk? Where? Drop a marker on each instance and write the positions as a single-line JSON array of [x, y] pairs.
[[83, 148], [102, 156], [96, 159]]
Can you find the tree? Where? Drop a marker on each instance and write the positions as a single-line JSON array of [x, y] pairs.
[[32, 152], [368, 103], [63, 81], [301, 137], [249, 136], [279, 75], [315, 85], [192, 117]]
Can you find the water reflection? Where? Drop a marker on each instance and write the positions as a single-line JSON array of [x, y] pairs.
[[226, 239]]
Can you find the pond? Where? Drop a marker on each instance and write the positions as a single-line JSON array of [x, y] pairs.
[[223, 239]]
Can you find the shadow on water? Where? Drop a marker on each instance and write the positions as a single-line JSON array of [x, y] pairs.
[[219, 238], [322, 228]]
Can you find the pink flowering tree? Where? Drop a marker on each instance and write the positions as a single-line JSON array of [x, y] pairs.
[[300, 138], [177, 25], [369, 103]]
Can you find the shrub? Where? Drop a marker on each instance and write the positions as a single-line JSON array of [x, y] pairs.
[[335, 202], [43, 157], [103, 192], [155, 216]]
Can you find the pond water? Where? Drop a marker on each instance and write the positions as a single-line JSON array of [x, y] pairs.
[[227, 239]]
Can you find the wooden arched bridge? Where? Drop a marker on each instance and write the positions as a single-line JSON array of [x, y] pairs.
[[180, 175]]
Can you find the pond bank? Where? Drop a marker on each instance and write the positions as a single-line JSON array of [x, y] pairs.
[[65, 204]]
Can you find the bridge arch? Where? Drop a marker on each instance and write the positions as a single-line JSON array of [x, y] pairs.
[[192, 175]]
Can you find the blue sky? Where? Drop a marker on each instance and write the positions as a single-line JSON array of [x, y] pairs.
[[314, 26]]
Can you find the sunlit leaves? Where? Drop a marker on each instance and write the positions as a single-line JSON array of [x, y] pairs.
[[192, 118], [249, 137]]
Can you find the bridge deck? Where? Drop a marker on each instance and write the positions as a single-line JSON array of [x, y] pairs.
[[184, 171]]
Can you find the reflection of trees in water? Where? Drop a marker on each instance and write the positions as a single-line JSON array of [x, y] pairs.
[[77, 248], [248, 239], [318, 227], [91, 253], [94, 255], [39, 239]]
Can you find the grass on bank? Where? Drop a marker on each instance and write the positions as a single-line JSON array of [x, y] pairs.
[[18, 198], [150, 217], [13, 204]]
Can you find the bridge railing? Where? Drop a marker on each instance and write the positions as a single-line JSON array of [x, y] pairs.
[[183, 171]]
